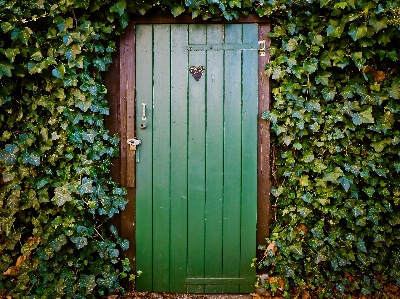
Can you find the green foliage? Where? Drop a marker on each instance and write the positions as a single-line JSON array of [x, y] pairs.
[[335, 118], [55, 194]]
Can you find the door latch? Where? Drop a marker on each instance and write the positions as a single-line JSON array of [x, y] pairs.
[[133, 143], [261, 48]]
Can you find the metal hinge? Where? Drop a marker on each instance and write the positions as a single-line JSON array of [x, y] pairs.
[[261, 49], [133, 143]]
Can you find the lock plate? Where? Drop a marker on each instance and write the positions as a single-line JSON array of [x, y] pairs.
[[133, 143], [261, 49]]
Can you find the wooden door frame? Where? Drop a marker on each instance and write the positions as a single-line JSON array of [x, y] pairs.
[[120, 84]]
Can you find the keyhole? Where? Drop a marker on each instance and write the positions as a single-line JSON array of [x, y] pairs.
[[142, 126]]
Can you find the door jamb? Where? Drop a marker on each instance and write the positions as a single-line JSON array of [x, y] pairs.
[[120, 84]]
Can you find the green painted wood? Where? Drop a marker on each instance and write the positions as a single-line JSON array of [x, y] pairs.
[[196, 174], [196, 162], [179, 130], [221, 281], [224, 47], [214, 157], [249, 152], [161, 156], [232, 157], [144, 178]]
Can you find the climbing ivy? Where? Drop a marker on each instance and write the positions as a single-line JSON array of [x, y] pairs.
[[56, 195], [335, 122], [334, 117]]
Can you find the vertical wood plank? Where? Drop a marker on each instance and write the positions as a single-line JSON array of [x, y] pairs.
[[232, 157], [144, 158], [179, 196], [249, 157], [124, 73], [128, 77], [127, 112], [263, 182], [161, 156], [112, 121], [196, 161], [214, 157]]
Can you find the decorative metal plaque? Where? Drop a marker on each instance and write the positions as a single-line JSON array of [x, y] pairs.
[[197, 72]]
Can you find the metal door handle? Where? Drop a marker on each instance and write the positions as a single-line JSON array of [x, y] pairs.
[[144, 111]]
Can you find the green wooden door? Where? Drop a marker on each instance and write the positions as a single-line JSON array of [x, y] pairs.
[[196, 169]]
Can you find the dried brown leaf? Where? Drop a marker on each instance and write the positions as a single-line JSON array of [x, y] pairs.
[[379, 76], [271, 247], [12, 271], [302, 227]]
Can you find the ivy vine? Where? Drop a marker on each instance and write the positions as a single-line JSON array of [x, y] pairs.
[[335, 123], [335, 118]]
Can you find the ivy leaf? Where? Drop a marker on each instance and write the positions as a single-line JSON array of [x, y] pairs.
[[84, 105], [114, 230], [99, 63], [59, 71], [311, 65], [304, 180], [335, 30], [88, 137], [297, 250], [369, 191], [307, 197], [277, 191], [176, 10], [323, 78], [287, 139], [297, 146], [333, 176], [88, 282], [361, 245], [277, 31], [119, 7], [320, 258], [328, 94], [323, 2], [308, 157], [58, 242], [303, 211], [381, 144], [8, 155], [5, 68], [62, 195], [364, 117], [383, 38], [345, 182], [23, 35], [6, 26], [11, 53], [313, 106], [8, 176], [392, 55], [357, 32], [271, 116], [79, 242], [31, 158], [43, 182], [378, 25], [86, 186], [395, 90], [357, 211], [124, 245], [290, 45], [37, 56]]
